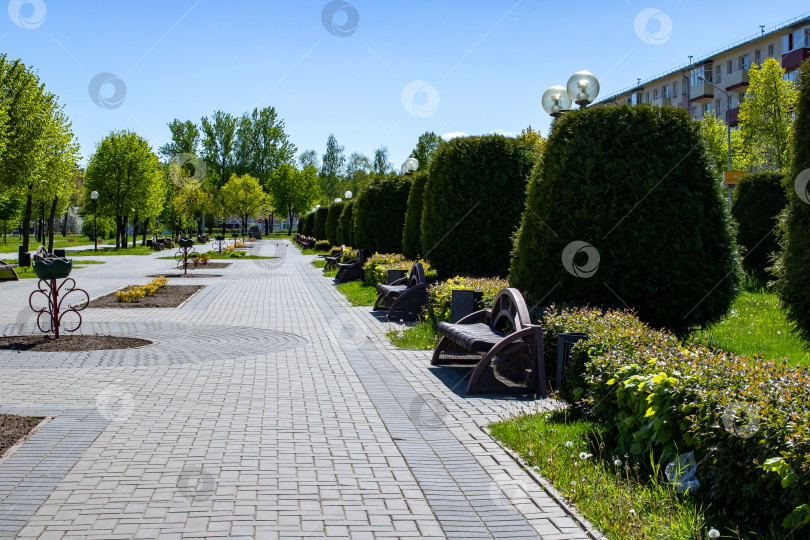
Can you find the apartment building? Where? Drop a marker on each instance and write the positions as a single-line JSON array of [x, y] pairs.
[[690, 86]]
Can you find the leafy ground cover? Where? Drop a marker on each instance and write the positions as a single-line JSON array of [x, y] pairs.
[[12, 243], [421, 336]]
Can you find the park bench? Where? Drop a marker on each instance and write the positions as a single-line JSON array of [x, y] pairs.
[[7, 272], [352, 270], [333, 258], [508, 346], [405, 298]]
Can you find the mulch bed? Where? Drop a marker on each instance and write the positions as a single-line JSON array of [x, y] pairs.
[[214, 265], [69, 343], [168, 296], [191, 274], [14, 428]]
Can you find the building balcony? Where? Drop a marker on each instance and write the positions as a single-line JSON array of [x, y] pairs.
[[701, 92], [737, 79], [732, 116], [794, 59], [662, 102]]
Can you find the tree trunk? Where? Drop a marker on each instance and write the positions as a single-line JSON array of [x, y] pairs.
[[51, 219], [289, 233], [135, 232], [65, 223], [118, 221], [145, 227], [124, 234], [27, 218]]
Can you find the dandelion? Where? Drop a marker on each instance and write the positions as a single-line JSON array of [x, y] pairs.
[[531, 453], [569, 444], [778, 332], [400, 335], [585, 455], [617, 462], [714, 533], [573, 483], [549, 460], [632, 512]]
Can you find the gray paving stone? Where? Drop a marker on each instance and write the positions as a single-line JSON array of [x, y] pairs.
[[267, 408]]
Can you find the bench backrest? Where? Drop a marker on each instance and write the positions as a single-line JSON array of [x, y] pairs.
[[417, 275], [510, 307]]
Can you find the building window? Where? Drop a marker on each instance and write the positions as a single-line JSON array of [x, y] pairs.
[[787, 43], [770, 51], [694, 111], [665, 91], [731, 101], [647, 98], [717, 74], [675, 89], [740, 97], [707, 108], [790, 76], [717, 105], [758, 57], [743, 62], [729, 68], [701, 72], [655, 93]]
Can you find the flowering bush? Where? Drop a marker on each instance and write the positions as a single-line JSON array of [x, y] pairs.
[[440, 299], [377, 266], [664, 398], [134, 293], [348, 255]]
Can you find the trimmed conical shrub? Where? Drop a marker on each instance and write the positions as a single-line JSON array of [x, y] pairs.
[[623, 211], [379, 215], [793, 268], [345, 230], [473, 200], [412, 235]]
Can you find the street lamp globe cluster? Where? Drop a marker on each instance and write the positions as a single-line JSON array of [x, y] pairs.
[[94, 196], [582, 89]]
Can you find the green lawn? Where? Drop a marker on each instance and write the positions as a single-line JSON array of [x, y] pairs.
[[29, 274], [138, 250], [420, 336], [756, 326], [608, 491], [358, 294], [12, 243]]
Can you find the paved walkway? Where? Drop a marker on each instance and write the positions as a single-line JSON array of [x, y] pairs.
[[267, 408]]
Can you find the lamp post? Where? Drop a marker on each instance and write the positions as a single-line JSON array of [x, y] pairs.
[[410, 165], [347, 195], [94, 196], [728, 129], [582, 89]]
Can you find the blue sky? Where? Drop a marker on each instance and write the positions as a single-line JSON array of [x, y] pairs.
[[375, 73]]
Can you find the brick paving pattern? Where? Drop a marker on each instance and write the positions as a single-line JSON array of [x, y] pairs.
[[266, 407]]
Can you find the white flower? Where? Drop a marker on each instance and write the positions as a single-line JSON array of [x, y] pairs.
[[400, 335], [778, 332], [549, 460], [632, 512], [714, 533], [617, 462], [585, 455], [531, 453], [569, 444], [573, 482]]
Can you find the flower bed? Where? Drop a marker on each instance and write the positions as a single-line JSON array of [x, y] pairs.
[[377, 266], [134, 293], [746, 420]]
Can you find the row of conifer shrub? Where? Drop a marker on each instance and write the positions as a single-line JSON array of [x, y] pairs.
[[746, 420]]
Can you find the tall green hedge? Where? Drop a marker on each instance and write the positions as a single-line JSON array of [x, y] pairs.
[[319, 227], [412, 234], [345, 230], [473, 200], [379, 215], [310, 224], [793, 268], [758, 200], [332, 219], [623, 211]]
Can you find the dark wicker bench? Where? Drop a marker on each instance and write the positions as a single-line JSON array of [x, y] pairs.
[[509, 349], [7, 272], [352, 270], [404, 299]]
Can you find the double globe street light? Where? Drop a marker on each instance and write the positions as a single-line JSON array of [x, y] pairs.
[[410, 165], [582, 89]]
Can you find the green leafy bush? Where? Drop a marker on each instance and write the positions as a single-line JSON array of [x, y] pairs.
[[345, 230], [322, 245], [623, 210], [758, 200], [440, 295], [412, 234], [379, 215], [793, 268], [332, 220], [663, 398], [348, 255], [319, 227], [473, 199], [377, 266]]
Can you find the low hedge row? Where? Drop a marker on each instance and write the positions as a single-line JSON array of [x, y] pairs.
[[746, 420], [377, 266], [440, 295]]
